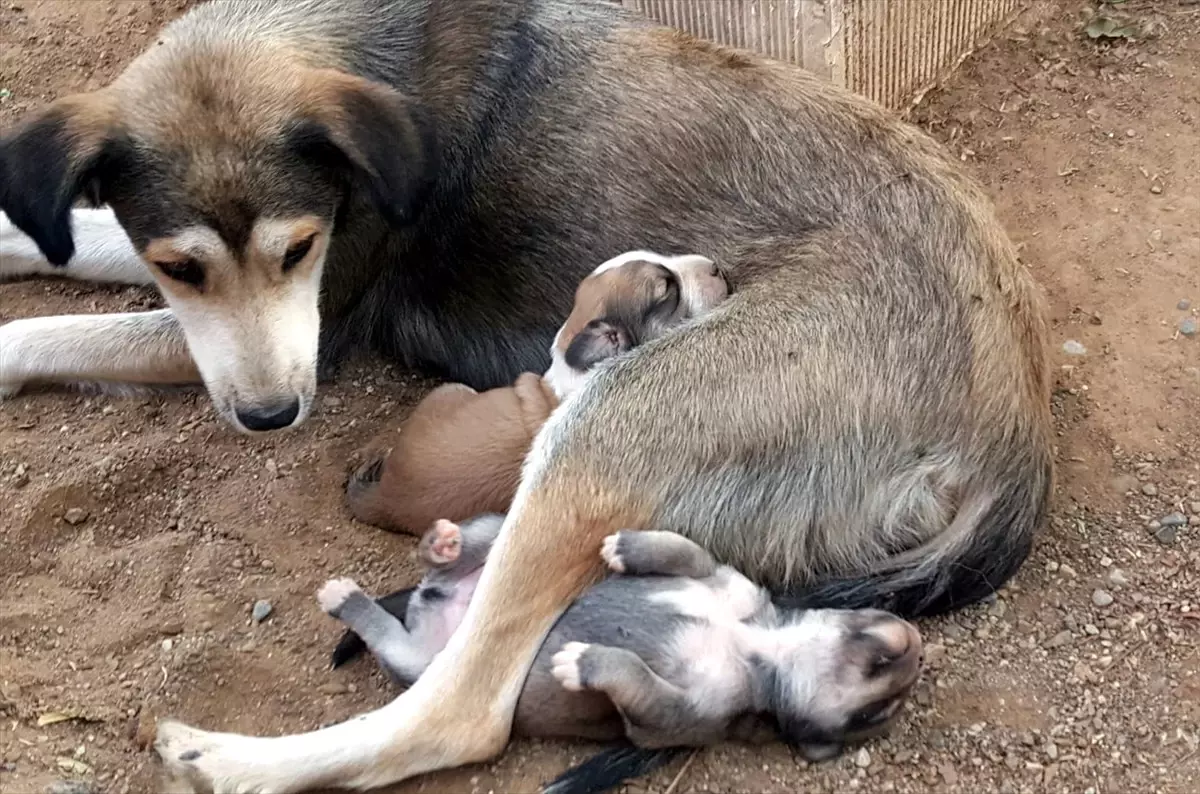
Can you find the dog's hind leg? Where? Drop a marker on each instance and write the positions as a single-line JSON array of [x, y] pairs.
[[461, 709], [142, 348], [103, 252]]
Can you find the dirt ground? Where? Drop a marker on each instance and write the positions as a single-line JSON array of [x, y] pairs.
[[138, 532]]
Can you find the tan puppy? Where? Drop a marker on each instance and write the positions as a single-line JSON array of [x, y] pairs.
[[459, 453]]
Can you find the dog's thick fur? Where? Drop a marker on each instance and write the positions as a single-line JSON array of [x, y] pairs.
[[865, 421]]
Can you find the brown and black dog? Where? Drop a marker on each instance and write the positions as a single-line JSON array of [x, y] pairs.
[[865, 422]]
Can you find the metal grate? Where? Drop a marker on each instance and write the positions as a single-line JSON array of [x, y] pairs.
[[892, 51]]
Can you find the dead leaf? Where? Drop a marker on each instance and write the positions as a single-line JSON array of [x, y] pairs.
[[1106, 26], [54, 717]]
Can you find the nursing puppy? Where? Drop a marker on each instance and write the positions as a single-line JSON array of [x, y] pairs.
[[673, 651], [431, 179], [459, 453]]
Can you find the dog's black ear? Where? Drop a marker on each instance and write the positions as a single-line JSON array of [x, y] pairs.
[[385, 140], [599, 340], [50, 162]]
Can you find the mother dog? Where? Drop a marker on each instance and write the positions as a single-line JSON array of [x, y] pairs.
[[865, 422]]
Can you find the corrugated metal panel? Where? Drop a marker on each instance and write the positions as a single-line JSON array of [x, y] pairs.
[[892, 51]]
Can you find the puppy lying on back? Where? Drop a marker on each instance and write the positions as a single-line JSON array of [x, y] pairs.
[[673, 651], [459, 453]]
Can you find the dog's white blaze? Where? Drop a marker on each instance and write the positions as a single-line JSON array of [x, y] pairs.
[[259, 346], [103, 252]]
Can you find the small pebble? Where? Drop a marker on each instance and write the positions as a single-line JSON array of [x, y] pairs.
[[1073, 348], [171, 627], [1195, 507], [1101, 598], [1183, 305], [167, 645], [1156, 188], [1188, 326], [1166, 535], [75, 516], [1117, 578], [1058, 640], [1150, 489], [1173, 520], [862, 759], [261, 610]]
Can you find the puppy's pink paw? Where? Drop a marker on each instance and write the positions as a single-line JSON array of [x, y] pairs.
[[610, 551], [565, 665], [334, 593], [445, 543]]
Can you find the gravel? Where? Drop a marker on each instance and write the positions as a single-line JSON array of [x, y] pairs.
[[1102, 598], [1074, 348], [1183, 305], [1166, 535], [1188, 326], [1150, 489], [1173, 520], [75, 516], [71, 787]]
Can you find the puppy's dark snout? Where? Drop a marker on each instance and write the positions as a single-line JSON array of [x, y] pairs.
[[274, 415]]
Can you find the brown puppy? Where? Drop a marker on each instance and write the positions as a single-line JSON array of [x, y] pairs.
[[459, 453]]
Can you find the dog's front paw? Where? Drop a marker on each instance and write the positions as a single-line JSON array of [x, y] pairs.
[[333, 594], [565, 666], [610, 550], [216, 763]]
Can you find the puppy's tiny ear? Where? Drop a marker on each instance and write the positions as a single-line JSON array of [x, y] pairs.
[[383, 140], [599, 340], [49, 163]]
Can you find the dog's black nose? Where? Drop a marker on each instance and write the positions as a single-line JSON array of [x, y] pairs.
[[273, 416]]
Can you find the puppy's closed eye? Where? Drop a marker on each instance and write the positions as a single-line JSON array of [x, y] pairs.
[[599, 340]]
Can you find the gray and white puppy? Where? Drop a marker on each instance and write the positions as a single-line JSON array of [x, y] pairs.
[[675, 650]]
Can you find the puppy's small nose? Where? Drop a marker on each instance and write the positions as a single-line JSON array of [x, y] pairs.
[[272, 416], [900, 640]]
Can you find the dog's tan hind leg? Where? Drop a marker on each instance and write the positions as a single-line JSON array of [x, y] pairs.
[[460, 711]]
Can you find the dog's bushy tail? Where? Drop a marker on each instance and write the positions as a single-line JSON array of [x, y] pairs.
[[351, 645], [982, 548], [610, 768]]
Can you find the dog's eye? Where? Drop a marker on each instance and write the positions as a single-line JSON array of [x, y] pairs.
[[296, 253], [186, 271]]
